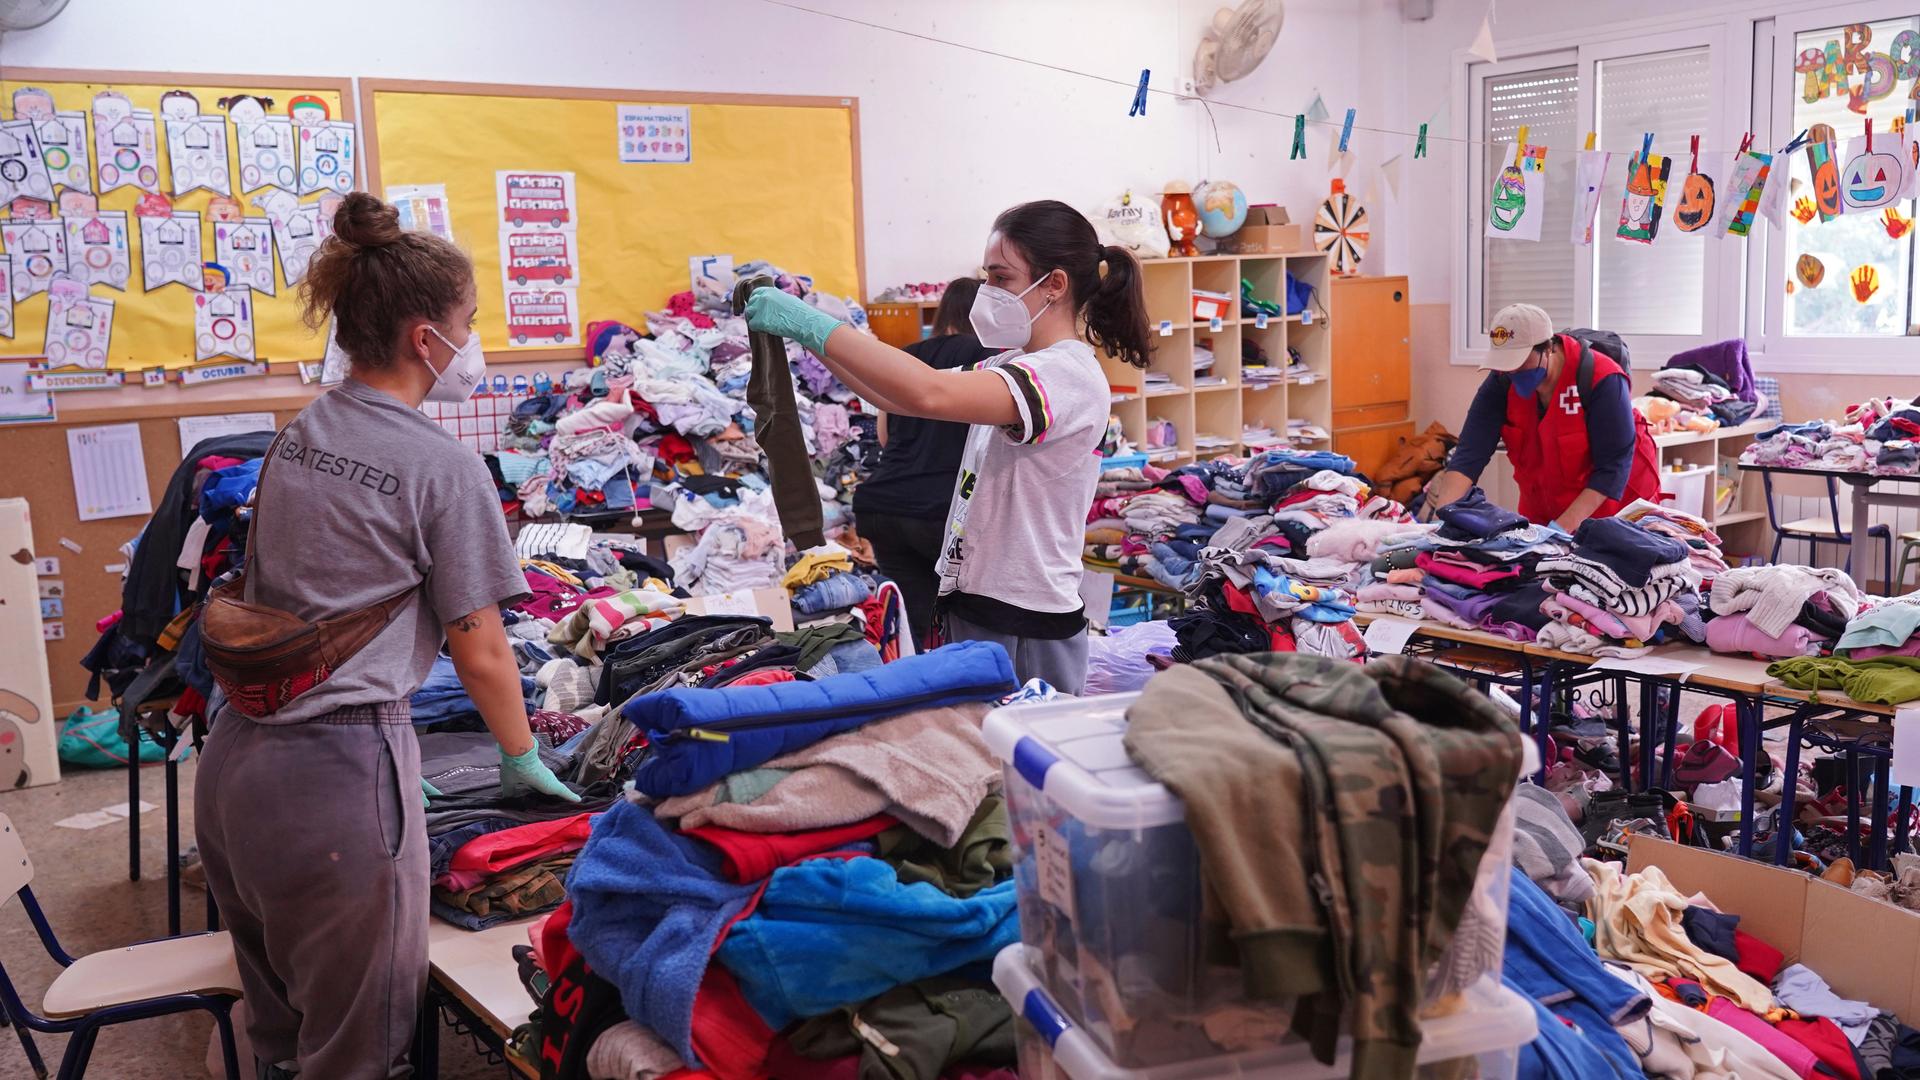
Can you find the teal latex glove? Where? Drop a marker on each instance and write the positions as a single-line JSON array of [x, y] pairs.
[[774, 312], [427, 792], [526, 772]]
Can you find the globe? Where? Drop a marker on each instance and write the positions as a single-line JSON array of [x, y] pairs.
[[1222, 206]]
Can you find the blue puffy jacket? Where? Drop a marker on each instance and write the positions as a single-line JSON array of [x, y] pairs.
[[698, 736]]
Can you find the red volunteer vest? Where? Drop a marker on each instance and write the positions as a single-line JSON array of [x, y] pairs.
[[1551, 456]]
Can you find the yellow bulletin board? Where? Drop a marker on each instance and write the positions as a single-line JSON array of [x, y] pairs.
[[770, 177], [155, 329]]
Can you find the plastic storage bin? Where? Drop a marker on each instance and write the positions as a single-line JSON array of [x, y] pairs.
[[1109, 887], [1491, 1028], [1689, 487]]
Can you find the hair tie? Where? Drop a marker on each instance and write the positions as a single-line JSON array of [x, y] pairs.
[[1103, 269]]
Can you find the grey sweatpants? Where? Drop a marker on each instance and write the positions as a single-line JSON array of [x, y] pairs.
[[315, 848], [1062, 662]]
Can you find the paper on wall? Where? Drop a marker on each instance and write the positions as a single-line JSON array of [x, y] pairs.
[[223, 324], [539, 257], [1644, 198], [423, 208], [327, 153], [334, 362], [170, 250], [99, 251], [197, 153], [79, 326], [1746, 186], [530, 199], [19, 402], [1589, 175], [1871, 181], [265, 148], [23, 168], [537, 316], [125, 149], [245, 248], [195, 428], [296, 231], [63, 146], [655, 134], [109, 472], [1519, 197], [6, 296], [39, 253]]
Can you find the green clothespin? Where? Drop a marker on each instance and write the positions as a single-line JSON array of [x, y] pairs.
[[1420, 148], [1299, 138]]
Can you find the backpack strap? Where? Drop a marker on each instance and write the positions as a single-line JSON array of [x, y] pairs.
[[1583, 377]]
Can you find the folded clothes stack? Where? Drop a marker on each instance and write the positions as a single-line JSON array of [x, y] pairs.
[[1876, 658], [1617, 591], [1475, 570], [1703, 554], [1781, 611], [805, 877], [1874, 436]]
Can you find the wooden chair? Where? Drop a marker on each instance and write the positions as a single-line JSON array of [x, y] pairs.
[[153, 978]]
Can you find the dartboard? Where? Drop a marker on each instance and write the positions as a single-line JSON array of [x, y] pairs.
[[1341, 228]]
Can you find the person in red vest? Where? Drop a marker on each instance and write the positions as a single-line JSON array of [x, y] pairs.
[[1564, 410]]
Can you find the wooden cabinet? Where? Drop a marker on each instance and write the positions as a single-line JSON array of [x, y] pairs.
[[1372, 369]]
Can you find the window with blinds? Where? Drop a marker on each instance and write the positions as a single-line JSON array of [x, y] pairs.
[[1545, 102], [1657, 288]]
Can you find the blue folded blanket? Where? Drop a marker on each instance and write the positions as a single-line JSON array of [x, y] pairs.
[[830, 933], [698, 736]]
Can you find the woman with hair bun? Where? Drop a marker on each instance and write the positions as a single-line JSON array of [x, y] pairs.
[[308, 807]]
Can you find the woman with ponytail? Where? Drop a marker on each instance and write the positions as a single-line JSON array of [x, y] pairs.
[[1054, 298]]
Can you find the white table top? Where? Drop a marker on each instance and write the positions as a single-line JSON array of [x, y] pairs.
[[478, 968]]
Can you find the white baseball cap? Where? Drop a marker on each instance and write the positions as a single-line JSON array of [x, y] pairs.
[[1516, 331]]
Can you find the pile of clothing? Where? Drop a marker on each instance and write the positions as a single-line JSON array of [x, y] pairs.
[[1775, 612], [1877, 436], [1701, 389], [1413, 462], [1618, 590], [1478, 571], [830, 578], [805, 878], [1703, 554], [1876, 656]]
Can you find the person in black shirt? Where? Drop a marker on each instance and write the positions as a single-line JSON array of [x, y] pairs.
[[902, 507]]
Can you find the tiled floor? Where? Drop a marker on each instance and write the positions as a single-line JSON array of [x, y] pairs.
[[81, 883]]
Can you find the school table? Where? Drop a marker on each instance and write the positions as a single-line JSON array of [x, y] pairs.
[[473, 977], [1865, 498]]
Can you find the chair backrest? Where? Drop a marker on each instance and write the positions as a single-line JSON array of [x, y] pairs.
[[16, 869]]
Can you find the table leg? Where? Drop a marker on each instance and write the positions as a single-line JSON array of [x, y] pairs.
[[173, 842], [1747, 711], [1542, 705], [1877, 849], [1783, 822], [1620, 721], [426, 1038], [1862, 548], [1853, 805], [1673, 736], [1906, 820], [133, 807]]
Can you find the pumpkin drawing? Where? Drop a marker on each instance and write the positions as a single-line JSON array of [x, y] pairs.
[[1872, 181], [1696, 203], [1810, 270], [1825, 170], [1509, 199]]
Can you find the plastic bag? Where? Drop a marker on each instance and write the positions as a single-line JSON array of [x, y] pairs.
[[1117, 663], [1133, 224]]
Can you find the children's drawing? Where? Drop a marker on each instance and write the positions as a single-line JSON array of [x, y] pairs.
[[63, 147], [326, 156], [1810, 270], [296, 231], [99, 250], [23, 167], [39, 251], [329, 205], [539, 316], [79, 326], [225, 208], [1518, 201], [197, 152], [6, 296], [266, 153], [1778, 193], [1826, 173], [1741, 199], [223, 324], [539, 257], [1896, 223], [1589, 173], [124, 144], [1645, 196], [170, 250], [1865, 280], [1694, 211], [535, 200], [1879, 177], [245, 248]]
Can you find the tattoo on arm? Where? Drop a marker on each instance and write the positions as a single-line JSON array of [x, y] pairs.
[[467, 623]]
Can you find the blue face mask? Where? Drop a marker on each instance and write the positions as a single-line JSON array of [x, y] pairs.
[[1528, 381]]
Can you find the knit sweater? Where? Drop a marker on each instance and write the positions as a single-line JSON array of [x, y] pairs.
[[1772, 595]]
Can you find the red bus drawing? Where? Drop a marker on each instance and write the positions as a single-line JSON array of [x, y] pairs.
[[539, 256], [538, 314], [536, 198]]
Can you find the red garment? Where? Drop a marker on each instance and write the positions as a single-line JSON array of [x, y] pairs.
[[1551, 456], [1460, 570], [748, 856], [1828, 1043], [1757, 958], [763, 677], [511, 847], [1791, 1054], [729, 1038], [674, 448], [216, 462]]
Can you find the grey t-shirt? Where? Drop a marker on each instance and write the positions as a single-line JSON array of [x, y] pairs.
[[365, 497]]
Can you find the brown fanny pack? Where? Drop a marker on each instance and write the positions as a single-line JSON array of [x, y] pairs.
[[264, 657]]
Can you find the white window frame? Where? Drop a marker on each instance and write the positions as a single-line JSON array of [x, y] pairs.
[[1731, 65], [1771, 348]]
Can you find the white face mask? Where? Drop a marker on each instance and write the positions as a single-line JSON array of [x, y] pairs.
[[1000, 320], [456, 382]]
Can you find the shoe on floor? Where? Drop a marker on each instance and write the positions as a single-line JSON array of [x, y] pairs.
[[1840, 872]]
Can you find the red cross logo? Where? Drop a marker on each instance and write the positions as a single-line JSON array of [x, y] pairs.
[[1570, 400]]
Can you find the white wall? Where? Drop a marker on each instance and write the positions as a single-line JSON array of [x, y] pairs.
[[948, 137]]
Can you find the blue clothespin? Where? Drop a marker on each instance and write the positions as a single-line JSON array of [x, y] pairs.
[[1799, 141], [1140, 95], [1346, 130]]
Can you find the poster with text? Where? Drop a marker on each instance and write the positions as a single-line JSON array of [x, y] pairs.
[[655, 134], [535, 200], [423, 208], [537, 316], [539, 257]]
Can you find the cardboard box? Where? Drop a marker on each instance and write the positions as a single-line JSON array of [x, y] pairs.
[[1866, 950], [768, 603], [1268, 231]]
